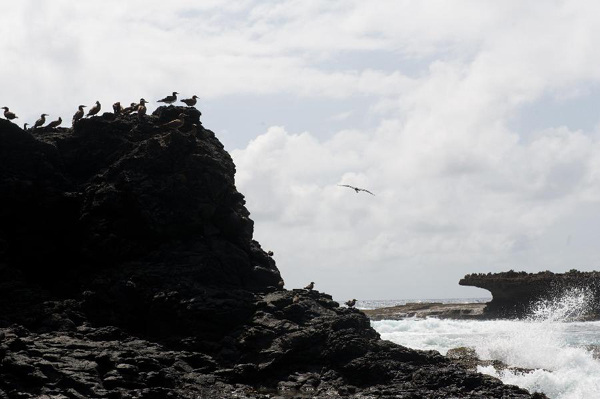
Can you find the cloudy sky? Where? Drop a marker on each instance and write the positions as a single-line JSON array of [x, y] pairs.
[[475, 123]]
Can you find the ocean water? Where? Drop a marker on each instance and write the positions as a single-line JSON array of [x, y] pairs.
[[562, 352]]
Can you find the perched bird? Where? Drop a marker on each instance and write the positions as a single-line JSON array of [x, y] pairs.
[[281, 284], [95, 109], [55, 123], [190, 102], [351, 303], [132, 107], [310, 286], [141, 109], [295, 299], [270, 253], [79, 114], [176, 123], [356, 188], [40, 121], [25, 126], [9, 115], [193, 130], [169, 99], [117, 108]]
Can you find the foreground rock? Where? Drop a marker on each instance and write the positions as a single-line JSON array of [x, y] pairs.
[[128, 270], [459, 311], [467, 357], [515, 293]]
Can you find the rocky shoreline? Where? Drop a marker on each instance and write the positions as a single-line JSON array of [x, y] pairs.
[[458, 311], [515, 294], [128, 270]]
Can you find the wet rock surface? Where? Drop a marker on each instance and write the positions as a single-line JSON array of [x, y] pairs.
[[467, 357], [128, 270], [516, 293], [457, 311]]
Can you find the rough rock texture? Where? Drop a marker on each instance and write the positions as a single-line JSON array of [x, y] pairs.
[[467, 357], [514, 293], [128, 270], [457, 311]]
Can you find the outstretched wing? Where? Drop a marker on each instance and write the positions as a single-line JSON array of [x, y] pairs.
[[356, 188], [345, 185], [366, 191]]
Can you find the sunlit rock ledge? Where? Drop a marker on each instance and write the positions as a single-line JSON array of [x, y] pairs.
[[571, 295], [458, 311]]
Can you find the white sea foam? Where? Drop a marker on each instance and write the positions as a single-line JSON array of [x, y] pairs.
[[557, 350]]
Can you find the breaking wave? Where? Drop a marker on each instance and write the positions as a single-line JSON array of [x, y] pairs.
[[553, 343]]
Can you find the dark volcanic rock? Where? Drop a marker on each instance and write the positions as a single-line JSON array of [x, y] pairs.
[[128, 270], [514, 293]]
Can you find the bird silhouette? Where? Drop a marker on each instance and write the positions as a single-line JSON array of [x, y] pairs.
[[79, 114], [95, 109], [9, 115], [55, 123], [40, 121], [356, 188], [190, 102], [169, 99]]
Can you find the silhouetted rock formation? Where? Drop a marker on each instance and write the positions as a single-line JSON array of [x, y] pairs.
[[514, 293], [128, 270]]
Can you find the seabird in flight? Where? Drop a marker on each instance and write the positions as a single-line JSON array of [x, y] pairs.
[[9, 115], [356, 188], [95, 109], [351, 303], [176, 123], [79, 114], [310, 286], [190, 102], [55, 123], [40, 121], [169, 99]]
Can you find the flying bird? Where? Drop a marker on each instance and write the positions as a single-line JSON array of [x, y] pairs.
[[169, 99], [9, 115], [356, 188]]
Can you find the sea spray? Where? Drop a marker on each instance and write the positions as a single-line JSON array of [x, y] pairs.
[[561, 370], [549, 342], [571, 305]]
